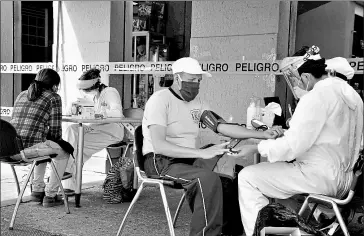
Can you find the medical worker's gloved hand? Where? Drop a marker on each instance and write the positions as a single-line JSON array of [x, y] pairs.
[[274, 132]]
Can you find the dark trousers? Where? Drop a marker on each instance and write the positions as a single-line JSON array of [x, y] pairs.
[[206, 194]]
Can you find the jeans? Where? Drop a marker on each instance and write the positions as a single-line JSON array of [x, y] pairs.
[[43, 149]]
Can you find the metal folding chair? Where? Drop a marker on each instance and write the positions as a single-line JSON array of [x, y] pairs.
[[113, 150], [335, 203], [11, 147], [148, 181]]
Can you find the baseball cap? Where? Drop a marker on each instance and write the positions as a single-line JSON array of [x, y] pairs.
[[340, 65], [188, 65]]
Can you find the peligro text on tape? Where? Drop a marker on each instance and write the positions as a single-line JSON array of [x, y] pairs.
[[237, 67], [103, 67], [6, 111], [143, 67], [357, 65], [164, 67]]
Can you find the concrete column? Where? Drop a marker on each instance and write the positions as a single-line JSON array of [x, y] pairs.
[[84, 38], [120, 46], [234, 30], [6, 81]]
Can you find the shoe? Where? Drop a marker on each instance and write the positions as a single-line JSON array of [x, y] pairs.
[[37, 196], [69, 192], [52, 201]]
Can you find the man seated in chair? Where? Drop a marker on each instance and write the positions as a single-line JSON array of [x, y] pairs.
[[170, 129], [37, 118]]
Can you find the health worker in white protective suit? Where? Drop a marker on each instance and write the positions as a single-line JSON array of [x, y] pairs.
[[317, 153], [96, 136]]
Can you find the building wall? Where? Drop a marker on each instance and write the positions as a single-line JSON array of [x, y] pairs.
[[6, 81], [234, 30], [84, 37], [329, 27]]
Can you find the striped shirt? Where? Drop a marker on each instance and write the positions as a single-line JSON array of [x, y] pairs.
[[39, 120]]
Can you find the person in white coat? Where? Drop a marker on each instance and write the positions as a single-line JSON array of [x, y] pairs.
[[96, 136], [316, 154]]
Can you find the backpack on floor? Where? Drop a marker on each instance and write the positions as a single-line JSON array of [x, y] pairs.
[[278, 215], [118, 185]]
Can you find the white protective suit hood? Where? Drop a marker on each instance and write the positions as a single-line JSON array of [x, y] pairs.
[[341, 65]]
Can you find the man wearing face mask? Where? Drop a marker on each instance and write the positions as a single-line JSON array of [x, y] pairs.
[[170, 129], [96, 136], [316, 154]]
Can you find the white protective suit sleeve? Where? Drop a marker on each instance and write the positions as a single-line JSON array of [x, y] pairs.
[[112, 98], [305, 127]]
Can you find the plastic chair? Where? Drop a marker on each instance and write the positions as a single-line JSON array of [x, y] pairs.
[[11, 147], [138, 159], [334, 202]]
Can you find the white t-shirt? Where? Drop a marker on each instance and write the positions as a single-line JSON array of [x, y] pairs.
[[181, 119]]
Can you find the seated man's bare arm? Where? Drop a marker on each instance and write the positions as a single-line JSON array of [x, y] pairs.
[[162, 146]]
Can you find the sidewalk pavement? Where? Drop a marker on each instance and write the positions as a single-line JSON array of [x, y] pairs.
[[95, 217]]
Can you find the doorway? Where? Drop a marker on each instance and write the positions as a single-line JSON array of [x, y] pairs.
[[36, 35]]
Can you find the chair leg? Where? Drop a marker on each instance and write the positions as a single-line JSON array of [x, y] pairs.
[[126, 149], [166, 209], [311, 213], [341, 220], [16, 179], [20, 196], [65, 199], [109, 158], [303, 207], [130, 208], [179, 208], [31, 182]]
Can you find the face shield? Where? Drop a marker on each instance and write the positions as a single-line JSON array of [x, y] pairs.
[[289, 69]]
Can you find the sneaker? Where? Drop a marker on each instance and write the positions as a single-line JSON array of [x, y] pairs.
[[37, 196], [52, 201]]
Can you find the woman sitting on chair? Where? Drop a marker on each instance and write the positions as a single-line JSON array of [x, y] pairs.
[[37, 118], [96, 136]]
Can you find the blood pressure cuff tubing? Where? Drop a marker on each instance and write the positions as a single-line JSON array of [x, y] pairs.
[[211, 120]]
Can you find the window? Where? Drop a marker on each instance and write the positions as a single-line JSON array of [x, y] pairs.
[[34, 27]]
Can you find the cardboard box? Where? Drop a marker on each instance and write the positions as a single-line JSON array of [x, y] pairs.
[[289, 231]]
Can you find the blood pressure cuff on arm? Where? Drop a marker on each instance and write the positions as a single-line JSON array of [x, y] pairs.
[[211, 120]]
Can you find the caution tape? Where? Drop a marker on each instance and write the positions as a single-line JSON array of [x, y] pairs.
[[6, 111], [214, 67]]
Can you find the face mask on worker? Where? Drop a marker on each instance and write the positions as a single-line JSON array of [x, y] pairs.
[[189, 90], [300, 92]]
